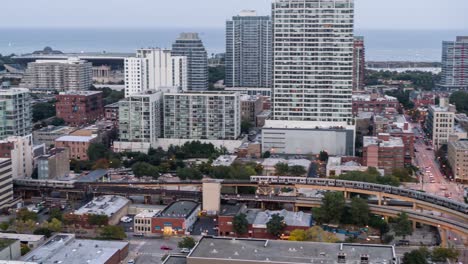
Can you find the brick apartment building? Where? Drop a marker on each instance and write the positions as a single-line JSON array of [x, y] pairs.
[[77, 145], [384, 152], [111, 113], [373, 103], [79, 108], [176, 218]]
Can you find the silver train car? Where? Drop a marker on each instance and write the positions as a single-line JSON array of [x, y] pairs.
[[422, 196], [45, 183]]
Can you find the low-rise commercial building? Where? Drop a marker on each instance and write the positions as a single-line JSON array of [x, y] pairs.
[[32, 241], [373, 103], [79, 108], [384, 152], [224, 160], [54, 165], [48, 135], [308, 137], [66, 248], [113, 206], [269, 164], [10, 249], [6, 183], [340, 165], [77, 145], [458, 159], [221, 250], [176, 218], [142, 222]]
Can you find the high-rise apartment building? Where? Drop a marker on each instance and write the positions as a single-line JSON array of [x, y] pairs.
[[249, 51], [15, 112], [191, 46], [455, 64], [6, 183], [359, 63], [20, 150], [61, 75], [152, 69], [458, 159], [202, 115], [54, 165], [140, 117], [312, 60], [440, 122]]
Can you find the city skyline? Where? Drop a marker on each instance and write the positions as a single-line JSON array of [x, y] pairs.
[[398, 15]]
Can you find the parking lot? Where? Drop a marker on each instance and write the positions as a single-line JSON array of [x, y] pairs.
[[148, 250]]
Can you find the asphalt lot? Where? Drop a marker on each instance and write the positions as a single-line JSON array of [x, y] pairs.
[[147, 250]]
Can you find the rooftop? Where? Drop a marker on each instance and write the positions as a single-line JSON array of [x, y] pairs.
[[22, 237], [249, 98], [175, 260], [6, 242], [114, 105], [179, 209], [75, 138], [64, 248], [373, 97], [147, 213], [71, 60], [461, 144], [93, 176], [291, 218], [281, 124], [83, 93], [277, 251], [103, 205], [224, 160], [56, 129], [392, 142], [231, 209], [271, 162]]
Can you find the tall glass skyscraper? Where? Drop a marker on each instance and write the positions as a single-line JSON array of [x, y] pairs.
[[248, 51], [313, 60], [191, 46]]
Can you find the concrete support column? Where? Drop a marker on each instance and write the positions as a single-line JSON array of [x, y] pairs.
[[379, 199], [236, 189], [414, 225], [415, 207], [386, 219], [443, 237], [262, 205], [347, 195]]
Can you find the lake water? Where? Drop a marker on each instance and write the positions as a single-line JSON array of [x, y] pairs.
[[381, 45]]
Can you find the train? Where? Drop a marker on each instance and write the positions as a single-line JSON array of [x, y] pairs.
[[418, 195], [45, 183]]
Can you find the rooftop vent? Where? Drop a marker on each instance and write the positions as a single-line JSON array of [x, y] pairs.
[[341, 257], [214, 251], [364, 259]]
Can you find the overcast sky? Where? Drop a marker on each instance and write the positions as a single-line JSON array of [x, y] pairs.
[[370, 14]]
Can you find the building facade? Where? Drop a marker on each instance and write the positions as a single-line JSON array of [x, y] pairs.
[[384, 152], [15, 112], [373, 103], [359, 63], [176, 218], [54, 165], [312, 60], [6, 183], [191, 46], [153, 68], [454, 64], [458, 159], [77, 145], [249, 51], [79, 108], [202, 115], [251, 106], [48, 135], [440, 122], [111, 113], [60, 75], [140, 117], [20, 151]]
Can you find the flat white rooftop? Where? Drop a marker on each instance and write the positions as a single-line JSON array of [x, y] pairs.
[[75, 138], [22, 237], [103, 205], [282, 124]]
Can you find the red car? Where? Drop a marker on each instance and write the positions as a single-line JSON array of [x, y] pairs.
[[166, 248]]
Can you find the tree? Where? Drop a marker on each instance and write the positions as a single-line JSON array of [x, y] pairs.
[[187, 242], [97, 151], [4, 226], [98, 220], [246, 125], [101, 164], [403, 226], [281, 169], [359, 210], [460, 100], [333, 204], [317, 234], [276, 225], [298, 235], [115, 163], [417, 256], [402, 175], [141, 169], [43, 231], [57, 121], [43, 111], [323, 156], [55, 213], [55, 225], [440, 254], [24, 249], [189, 173], [297, 170], [267, 154], [112, 233], [24, 214], [240, 224]]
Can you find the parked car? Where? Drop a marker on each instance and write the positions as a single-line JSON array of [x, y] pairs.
[[184, 250], [165, 248], [131, 261], [126, 219]]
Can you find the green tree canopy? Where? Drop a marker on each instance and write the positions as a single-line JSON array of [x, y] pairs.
[[297, 170], [417, 256], [240, 224], [41, 111], [460, 100], [359, 210], [189, 173], [187, 242], [24, 215], [141, 169], [113, 233], [98, 220], [403, 226], [282, 169], [333, 204], [97, 151], [43, 231], [276, 225], [440, 254]]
